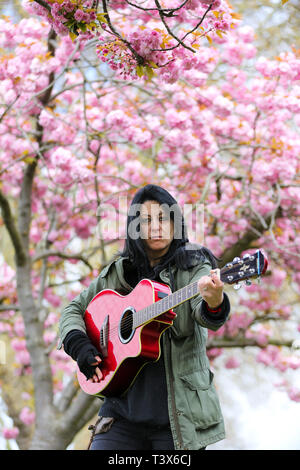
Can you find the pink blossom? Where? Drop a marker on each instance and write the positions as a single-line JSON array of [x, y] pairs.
[[246, 33], [294, 394], [51, 319], [79, 15], [49, 337], [23, 357], [25, 396], [278, 277], [212, 353], [19, 327], [18, 344], [55, 9], [27, 416], [264, 357], [232, 363], [68, 6], [10, 433], [47, 120], [52, 298]]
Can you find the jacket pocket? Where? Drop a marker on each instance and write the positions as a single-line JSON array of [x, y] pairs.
[[201, 398]]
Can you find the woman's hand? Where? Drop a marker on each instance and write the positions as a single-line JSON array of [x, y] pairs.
[[97, 374], [211, 288]]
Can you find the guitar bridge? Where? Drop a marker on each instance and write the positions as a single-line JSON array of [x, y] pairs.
[[104, 337]]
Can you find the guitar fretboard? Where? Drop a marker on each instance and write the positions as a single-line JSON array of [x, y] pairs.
[[167, 303], [237, 270]]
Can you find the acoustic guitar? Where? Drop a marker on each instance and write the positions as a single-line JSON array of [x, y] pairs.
[[126, 330]]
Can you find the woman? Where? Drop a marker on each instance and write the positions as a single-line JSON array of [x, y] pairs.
[[172, 404]]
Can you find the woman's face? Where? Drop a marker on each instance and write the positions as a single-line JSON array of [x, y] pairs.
[[157, 228]]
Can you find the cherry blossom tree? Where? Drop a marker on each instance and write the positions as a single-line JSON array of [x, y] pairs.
[[157, 36], [219, 128]]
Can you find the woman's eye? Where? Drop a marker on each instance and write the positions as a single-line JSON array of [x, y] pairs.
[[148, 221]]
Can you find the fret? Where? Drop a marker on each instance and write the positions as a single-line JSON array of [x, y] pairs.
[[165, 304], [184, 294], [149, 312], [137, 318], [143, 315]]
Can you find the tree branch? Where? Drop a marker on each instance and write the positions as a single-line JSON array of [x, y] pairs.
[[43, 4], [4, 308], [59, 254], [8, 219], [161, 14], [140, 60], [215, 342], [255, 231], [82, 405], [44, 98], [164, 10]]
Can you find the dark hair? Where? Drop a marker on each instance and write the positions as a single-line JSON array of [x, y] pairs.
[[181, 253]]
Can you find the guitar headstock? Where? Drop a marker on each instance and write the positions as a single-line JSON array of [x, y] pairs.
[[244, 269]]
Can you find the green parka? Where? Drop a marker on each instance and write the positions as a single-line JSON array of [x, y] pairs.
[[194, 409]]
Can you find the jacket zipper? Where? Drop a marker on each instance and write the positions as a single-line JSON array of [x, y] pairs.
[[169, 371]]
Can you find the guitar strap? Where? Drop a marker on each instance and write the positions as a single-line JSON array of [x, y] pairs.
[[120, 272], [172, 279]]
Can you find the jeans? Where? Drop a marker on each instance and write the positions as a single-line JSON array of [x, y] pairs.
[[123, 435]]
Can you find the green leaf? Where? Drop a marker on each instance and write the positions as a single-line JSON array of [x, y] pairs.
[[153, 64], [149, 72], [29, 160], [82, 26], [209, 38], [140, 70], [73, 36]]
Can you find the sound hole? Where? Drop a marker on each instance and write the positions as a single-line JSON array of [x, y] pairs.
[[126, 329]]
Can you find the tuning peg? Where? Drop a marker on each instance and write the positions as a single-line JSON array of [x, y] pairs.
[[236, 259], [248, 257], [237, 286]]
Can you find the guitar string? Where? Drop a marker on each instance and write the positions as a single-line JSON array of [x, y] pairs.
[[128, 322]]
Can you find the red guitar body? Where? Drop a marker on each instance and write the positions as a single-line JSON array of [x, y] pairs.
[[127, 351]]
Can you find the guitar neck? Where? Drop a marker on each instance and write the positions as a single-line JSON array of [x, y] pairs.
[[167, 303], [237, 270]]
